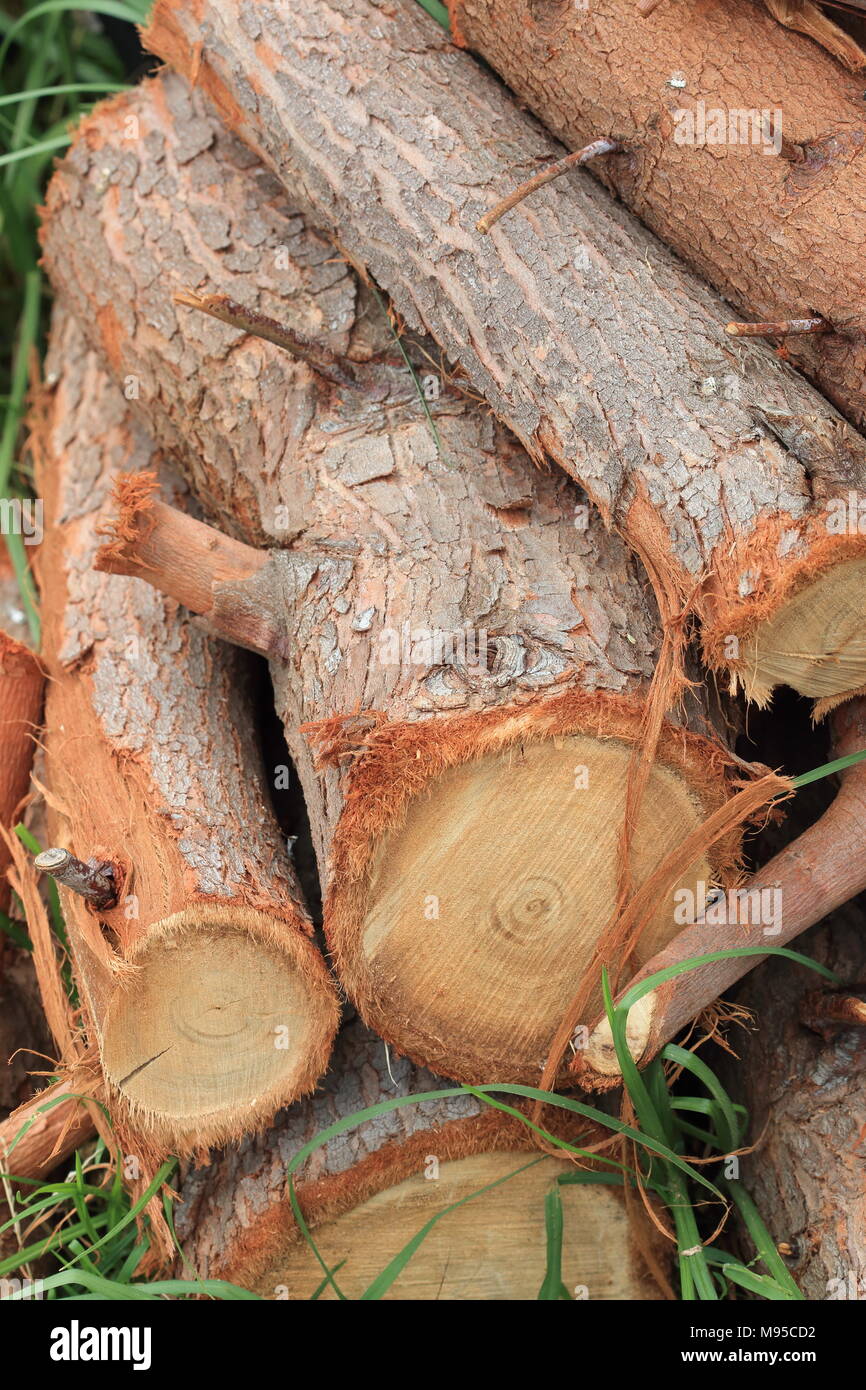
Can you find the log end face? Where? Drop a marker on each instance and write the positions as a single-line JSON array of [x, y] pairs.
[[489, 1249], [229, 1016], [485, 905], [815, 642]]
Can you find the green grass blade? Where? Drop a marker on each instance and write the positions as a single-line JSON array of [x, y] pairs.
[[827, 769], [382, 1283], [670, 972], [761, 1238], [436, 11], [681, 1057], [67, 88], [553, 1289]]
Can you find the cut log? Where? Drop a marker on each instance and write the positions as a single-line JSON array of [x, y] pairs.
[[21, 691], [367, 1191], [210, 1004], [471, 649], [721, 467], [746, 149], [802, 1077]]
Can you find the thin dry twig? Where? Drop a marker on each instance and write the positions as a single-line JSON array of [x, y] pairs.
[[553, 171]]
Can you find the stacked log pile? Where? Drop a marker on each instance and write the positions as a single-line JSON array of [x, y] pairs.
[[354, 369]]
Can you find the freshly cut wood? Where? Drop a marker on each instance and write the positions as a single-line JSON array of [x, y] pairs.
[[470, 649], [210, 1004], [22, 683], [823, 868], [802, 1076], [746, 150], [367, 1191], [718, 463]]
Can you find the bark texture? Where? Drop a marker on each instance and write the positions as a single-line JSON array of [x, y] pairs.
[[152, 766], [806, 1094], [588, 339], [235, 1219], [440, 608], [777, 228]]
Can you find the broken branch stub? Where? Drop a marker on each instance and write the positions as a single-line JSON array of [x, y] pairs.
[[714, 101]]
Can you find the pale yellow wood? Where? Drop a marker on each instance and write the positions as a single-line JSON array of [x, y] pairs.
[[816, 642], [215, 1019], [488, 902], [492, 1248]]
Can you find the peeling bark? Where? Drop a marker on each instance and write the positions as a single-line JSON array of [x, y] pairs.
[[152, 767], [454, 632], [714, 459], [38, 1136]]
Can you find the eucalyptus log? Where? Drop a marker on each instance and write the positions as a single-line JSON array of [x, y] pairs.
[[369, 1189], [461, 653], [746, 149], [209, 1002], [723, 469]]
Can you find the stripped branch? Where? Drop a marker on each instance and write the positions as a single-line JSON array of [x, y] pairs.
[[41, 1134]]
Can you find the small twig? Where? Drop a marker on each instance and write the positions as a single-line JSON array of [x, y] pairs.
[[321, 359], [93, 880], [553, 171], [781, 328]]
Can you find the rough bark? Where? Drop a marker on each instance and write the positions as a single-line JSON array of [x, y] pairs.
[[767, 224], [152, 766], [367, 1190], [716, 461], [458, 629], [21, 692], [805, 1089]]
